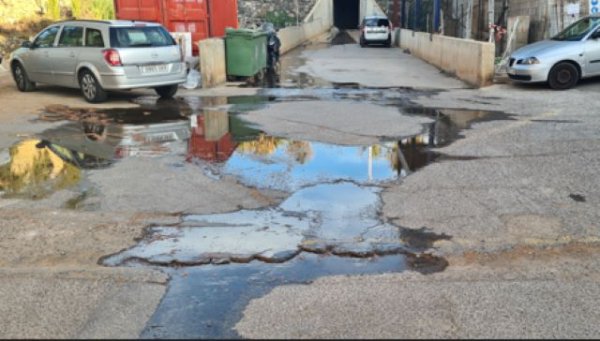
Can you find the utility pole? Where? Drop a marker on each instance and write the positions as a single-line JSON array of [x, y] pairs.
[[469, 22], [491, 20], [297, 13], [404, 22], [436, 15], [395, 14], [416, 16]]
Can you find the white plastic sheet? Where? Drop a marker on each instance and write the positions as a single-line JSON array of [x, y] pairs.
[[193, 80]]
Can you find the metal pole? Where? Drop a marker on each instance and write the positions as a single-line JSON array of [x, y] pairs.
[[469, 22], [416, 18], [491, 20], [403, 22], [297, 13], [436, 15]]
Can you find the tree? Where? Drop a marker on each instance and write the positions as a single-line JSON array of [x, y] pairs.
[[76, 8], [54, 9]]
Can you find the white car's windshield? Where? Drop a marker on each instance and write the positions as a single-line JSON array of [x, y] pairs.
[[577, 30]]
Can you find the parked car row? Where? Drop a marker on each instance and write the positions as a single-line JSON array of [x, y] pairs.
[[100, 56]]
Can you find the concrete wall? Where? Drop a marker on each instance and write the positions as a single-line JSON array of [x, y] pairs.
[[212, 62], [318, 21], [370, 7], [471, 61]]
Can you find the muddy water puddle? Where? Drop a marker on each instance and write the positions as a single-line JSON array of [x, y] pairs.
[[330, 223], [208, 131], [206, 302]]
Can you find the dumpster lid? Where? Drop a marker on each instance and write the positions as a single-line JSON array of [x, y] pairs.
[[244, 32]]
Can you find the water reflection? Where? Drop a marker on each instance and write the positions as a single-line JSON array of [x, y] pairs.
[[289, 165], [37, 168], [206, 129]]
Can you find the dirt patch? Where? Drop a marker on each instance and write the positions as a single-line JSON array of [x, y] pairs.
[[52, 238], [527, 253]]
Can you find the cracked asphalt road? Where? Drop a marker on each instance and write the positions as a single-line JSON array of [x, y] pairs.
[[522, 257]]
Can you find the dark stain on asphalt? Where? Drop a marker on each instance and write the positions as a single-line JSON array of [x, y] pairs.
[[421, 239], [577, 197], [426, 263], [346, 86]]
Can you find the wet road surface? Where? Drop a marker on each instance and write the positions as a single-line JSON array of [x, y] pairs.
[[330, 223]]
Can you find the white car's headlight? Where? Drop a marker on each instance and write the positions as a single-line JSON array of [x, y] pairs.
[[530, 61]]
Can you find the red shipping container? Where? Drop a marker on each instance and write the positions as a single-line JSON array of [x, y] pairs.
[[203, 18]]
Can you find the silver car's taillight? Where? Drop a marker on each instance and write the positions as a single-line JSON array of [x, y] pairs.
[[112, 57]]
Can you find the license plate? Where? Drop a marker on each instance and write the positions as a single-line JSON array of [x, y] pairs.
[[158, 68], [161, 137]]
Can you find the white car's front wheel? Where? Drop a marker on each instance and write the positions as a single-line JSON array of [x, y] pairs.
[[563, 76]]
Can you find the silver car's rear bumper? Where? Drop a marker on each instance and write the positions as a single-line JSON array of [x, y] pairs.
[[131, 80]]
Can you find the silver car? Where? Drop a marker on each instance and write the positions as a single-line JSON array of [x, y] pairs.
[[98, 56], [563, 60]]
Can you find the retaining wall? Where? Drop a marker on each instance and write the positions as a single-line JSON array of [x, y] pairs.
[[318, 21], [470, 60]]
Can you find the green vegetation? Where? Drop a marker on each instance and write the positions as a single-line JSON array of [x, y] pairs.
[[22, 19], [280, 19], [76, 8], [53, 8]]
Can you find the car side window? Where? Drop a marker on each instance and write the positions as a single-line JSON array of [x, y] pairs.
[[47, 37], [71, 36], [93, 38]]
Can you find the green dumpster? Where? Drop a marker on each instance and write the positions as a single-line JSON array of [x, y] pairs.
[[246, 52]]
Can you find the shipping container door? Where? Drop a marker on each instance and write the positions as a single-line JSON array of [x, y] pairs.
[[188, 16], [147, 10], [223, 14]]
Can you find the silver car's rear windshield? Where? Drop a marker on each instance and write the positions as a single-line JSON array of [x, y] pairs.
[[578, 30], [140, 36], [376, 22]]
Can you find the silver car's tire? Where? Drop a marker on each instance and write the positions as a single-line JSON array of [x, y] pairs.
[[563, 76], [166, 91], [90, 88], [21, 79]]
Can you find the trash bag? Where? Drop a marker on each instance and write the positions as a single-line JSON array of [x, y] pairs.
[[193, 80]]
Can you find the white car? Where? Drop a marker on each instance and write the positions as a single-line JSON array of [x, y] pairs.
[[375, 30], [561, 61]]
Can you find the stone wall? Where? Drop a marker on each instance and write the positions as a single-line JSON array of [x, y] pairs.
[[253, 12], [547, 17]]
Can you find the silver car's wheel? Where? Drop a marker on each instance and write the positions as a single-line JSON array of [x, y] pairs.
[[21, 79], [563, 76], [166, 91], [90, 88]]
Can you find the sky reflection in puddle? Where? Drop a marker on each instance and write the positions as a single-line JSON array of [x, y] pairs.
[[200, 130]]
